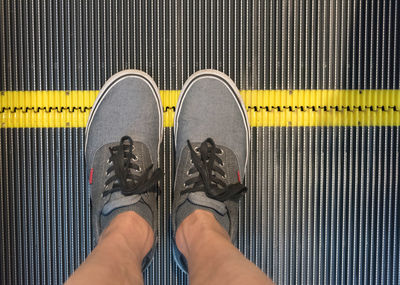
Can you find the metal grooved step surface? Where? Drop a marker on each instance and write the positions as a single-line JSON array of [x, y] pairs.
[[323, 205], [323, 202]]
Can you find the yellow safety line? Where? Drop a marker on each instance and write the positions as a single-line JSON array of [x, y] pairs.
[[266, 98], [26, 109]]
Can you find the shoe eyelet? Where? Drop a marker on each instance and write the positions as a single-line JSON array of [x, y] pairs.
[[222, 151], [138, 170], [224, 176], [109, 161], [188, 174], [197, 149], [222, 164], [135, 158], [191, 161]]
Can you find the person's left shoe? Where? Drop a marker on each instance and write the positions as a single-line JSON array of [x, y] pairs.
[[123, 137]]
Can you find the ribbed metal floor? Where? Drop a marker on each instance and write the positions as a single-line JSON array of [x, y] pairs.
[[323, 203], [323, 206], [282, 44]]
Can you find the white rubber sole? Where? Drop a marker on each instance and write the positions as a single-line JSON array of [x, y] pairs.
[[226, 80], [114, 80]]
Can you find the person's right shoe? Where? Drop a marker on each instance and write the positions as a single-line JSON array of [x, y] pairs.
[[212, 137], [123, 137]]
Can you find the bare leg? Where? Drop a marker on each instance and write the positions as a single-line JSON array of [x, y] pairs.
[[211, 257], [117, 259]]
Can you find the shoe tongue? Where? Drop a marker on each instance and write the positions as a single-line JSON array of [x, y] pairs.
[[201, 199], [118, 200]]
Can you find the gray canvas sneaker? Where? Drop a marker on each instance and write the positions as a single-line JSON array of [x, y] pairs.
[[123, 137], [212, 144]]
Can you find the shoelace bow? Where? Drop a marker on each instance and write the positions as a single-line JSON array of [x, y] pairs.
[[122, 159], [207, 164]]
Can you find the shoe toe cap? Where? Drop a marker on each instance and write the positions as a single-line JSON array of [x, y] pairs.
[[129, 106], [211, 108]]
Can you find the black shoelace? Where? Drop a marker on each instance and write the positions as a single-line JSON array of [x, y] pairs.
[[207, 165], [123, 180]]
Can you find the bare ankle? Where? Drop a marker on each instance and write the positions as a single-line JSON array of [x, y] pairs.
[[199, 226], [128, 227]]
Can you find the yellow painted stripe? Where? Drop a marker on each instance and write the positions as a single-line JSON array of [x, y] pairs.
[[49, 99], [43, 119], [21, 109], [261, 118], [348, 99], [84, 99]]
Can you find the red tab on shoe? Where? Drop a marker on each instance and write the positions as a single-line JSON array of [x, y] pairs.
[[91, 176]]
